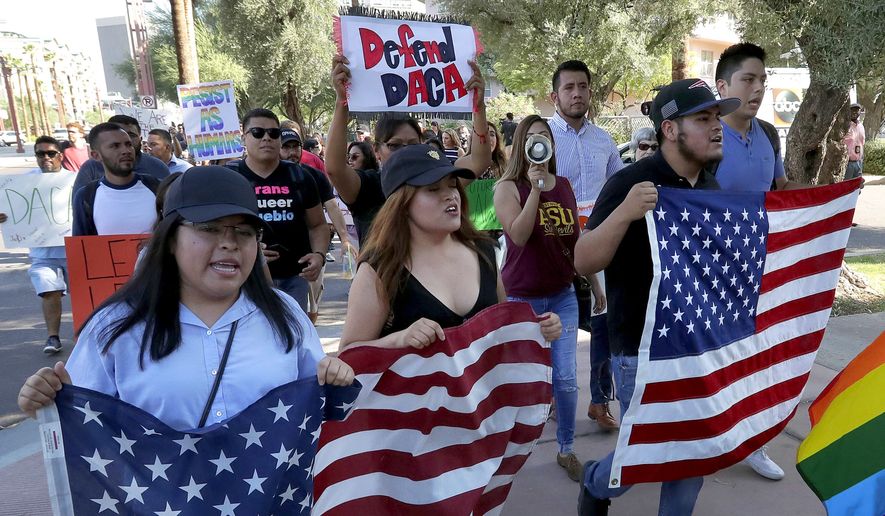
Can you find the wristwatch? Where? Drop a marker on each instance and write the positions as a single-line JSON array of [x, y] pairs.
[[322, 255]]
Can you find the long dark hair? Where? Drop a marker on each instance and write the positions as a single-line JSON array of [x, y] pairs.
[[389, 246], [370, 162], [153, 295]]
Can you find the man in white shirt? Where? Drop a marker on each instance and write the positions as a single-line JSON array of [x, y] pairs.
[[49, 268], [587, 156], [122, 202]]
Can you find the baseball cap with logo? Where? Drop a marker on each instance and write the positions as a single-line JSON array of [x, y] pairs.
[[418, 165], [686, 97], [287, 135]]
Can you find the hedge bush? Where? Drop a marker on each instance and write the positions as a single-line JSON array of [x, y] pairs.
[[874, 158]]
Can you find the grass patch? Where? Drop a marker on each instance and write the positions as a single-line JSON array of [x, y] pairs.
[[872, 266]]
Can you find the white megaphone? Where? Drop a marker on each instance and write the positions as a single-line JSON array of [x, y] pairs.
[[538, 150]]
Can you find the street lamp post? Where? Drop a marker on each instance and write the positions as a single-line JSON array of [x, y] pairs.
[[6, 78]]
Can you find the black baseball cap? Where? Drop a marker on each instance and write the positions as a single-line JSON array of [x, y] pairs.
[[686, 97], [287, 135], [207, 193], [418, 165]]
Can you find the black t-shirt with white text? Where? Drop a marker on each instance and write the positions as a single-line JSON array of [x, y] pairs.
[[283, 198]]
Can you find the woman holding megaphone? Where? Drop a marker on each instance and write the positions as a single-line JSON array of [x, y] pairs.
[[538, 213]]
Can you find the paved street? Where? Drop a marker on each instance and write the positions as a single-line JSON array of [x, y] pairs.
[[541, 488]]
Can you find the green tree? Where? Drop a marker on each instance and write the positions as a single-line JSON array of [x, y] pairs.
[[520, 105], [285, 44], [616, 39], [840, 43]]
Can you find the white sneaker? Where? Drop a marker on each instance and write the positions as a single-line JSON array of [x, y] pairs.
[[762, 464]]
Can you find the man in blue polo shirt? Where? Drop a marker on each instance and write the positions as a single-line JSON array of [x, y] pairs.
[[751, 157], [751, 160]]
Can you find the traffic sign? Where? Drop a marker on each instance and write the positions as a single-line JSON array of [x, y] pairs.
[[149, 102]]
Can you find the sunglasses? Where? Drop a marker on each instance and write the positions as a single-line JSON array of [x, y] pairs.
[[51, 154], [647, 146], [352, 157], [259, 132]]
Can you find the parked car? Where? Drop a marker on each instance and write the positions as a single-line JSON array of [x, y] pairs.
[[8, 138], [60, 134]]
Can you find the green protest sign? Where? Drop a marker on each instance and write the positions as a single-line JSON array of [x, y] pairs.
[[481, 203]]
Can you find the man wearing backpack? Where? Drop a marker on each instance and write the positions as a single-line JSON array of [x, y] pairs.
[[752, 158], [289, 202], [751, 155]]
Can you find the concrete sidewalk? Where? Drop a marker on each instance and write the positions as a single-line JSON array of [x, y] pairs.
[[542, 487]]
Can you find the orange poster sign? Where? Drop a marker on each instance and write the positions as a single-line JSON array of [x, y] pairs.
[[97, 267]]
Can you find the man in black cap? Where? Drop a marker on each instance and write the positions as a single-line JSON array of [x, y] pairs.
[[686, 119]]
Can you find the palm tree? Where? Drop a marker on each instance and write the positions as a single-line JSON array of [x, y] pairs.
[[185, 41]]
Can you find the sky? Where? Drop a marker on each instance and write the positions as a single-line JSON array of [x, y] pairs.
[[69, 21]]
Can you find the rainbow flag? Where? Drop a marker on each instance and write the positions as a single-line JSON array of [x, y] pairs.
[[843, 457]]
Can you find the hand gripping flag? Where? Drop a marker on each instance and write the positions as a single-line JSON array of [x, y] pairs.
[[843, 457], [105, 456], [741, 292], [440, 430]]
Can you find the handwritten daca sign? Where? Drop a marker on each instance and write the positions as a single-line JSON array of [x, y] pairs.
[[38, 209], [211, 125], [411, 66]]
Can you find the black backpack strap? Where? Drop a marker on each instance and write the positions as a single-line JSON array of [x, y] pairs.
[[773, 137]]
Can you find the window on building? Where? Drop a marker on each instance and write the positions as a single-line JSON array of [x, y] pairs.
[[708, 67]]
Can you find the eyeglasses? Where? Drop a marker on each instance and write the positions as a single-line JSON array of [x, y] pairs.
[[647, 146], [259, 132], [214, 231], [51, 154], [354, 157], [395, 146]]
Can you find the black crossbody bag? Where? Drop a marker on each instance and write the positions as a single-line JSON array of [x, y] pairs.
[[214, 391]]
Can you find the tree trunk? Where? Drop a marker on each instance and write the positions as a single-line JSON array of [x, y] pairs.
[[291, 105], [871, 95], [836, 156], [677, 57], [192, 37], [59, 98], [181, 31], [41, 103], [33, 126], [806, 144], [21, 96]]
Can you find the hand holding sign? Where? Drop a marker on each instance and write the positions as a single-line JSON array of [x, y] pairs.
[[340, 77]]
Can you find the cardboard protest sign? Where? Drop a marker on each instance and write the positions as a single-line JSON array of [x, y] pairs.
[[410, 66], [147, 118], [211, 124], [97, 267], [37, 207], [481, 203]]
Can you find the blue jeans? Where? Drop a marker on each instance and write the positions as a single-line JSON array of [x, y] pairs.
[[297, 287], [600, 361], [563, 356], [677, 498]]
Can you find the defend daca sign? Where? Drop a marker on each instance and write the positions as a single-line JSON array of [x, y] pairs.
[[410, 66]]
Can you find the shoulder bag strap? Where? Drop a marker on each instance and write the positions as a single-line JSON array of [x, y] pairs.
[[214, 391]]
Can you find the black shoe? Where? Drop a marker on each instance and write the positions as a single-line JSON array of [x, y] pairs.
[[587, 504], [53, 345]]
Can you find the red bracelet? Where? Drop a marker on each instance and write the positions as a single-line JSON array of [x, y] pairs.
[[482, 137]]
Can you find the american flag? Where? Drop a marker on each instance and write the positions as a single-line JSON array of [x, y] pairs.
[[105, 456], [741, 293], [441, 430]]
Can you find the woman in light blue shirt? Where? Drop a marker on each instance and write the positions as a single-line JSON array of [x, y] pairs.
[[158, 342]]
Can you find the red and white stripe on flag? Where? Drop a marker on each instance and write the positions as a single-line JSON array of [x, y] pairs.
[[697, 412], [440, 430]]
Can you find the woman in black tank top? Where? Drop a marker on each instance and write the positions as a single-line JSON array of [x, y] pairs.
[[424, 267]]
